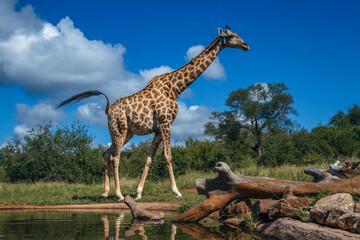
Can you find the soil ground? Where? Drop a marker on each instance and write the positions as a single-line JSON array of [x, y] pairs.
[[157, 206]]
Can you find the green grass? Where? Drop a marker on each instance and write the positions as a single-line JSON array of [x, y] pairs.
[[56, 193]]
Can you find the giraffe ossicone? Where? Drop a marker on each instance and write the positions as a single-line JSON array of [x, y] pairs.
[[153, 110]]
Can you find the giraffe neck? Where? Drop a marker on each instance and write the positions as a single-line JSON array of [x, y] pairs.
[[185, 76]]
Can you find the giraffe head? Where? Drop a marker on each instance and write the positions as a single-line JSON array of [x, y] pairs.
[[231, 39]]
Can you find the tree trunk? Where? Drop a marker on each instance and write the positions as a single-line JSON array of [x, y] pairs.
[[229, 186]]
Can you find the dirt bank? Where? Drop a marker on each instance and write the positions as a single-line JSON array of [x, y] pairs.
[[157, 206]]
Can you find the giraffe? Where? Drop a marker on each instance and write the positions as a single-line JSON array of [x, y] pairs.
[[153, 110]]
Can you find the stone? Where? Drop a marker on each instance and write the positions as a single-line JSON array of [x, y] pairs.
[[357, 227], [241, 208], [284, 209], [262, 207], [292, 206], [332, 219], [287, 228], [299, 202], [332, 207], [225, 213], [347, 221], [357, 208]]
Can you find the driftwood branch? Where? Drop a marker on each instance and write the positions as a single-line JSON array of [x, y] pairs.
[[228, 186], [140, 213], [322, 176]]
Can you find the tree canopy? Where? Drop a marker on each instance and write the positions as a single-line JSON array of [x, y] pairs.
[[352, 117], [255, 113]]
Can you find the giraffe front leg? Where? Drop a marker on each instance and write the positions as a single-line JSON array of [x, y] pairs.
[[106, 155], [165, 132], [154, 145]]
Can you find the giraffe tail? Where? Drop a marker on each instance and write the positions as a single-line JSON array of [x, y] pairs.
[[83, 95]]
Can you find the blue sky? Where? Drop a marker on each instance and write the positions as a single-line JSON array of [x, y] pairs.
[[50, 50]]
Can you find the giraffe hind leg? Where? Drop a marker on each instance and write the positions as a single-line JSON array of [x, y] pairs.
[[106, 156], [118, 132], [115, 159]]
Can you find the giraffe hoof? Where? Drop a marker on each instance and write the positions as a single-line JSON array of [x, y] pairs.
[[120, 197], [104, 195], [179, 195]]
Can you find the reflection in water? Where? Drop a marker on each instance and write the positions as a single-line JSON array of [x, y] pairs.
[[139, 225], [198, 231], [201, 232], [119, 219], [105, 225]]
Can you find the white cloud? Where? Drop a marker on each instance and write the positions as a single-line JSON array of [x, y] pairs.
[[215, 71], [38, 114], [20, 131], [189, 122], [59, 60], [93, 113], [32, 116], [148, 74]]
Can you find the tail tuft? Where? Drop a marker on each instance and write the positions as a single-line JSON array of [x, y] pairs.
[[83, 95]]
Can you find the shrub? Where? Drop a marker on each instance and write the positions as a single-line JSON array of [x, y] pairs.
[[61, 154]]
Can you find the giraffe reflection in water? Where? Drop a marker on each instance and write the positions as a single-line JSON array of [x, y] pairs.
[[195, 230], [136, 225]]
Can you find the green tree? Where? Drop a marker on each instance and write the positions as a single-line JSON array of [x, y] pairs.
[[54, 154], [352, 117], [256, 113]]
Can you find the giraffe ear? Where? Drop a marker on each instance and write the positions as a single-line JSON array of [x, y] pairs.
[[221, 32]]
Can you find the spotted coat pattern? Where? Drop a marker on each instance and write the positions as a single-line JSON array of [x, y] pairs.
[[153, 109]]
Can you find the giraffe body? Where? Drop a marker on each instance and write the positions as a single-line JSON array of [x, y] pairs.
[[153, 110]]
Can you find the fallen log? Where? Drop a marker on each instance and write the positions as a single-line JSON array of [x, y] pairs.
[[350, 169], [228, 186]]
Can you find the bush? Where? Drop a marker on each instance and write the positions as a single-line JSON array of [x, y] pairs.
[[64, 154]]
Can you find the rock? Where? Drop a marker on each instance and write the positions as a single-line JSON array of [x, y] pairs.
[[332, 218], [286, 228], [293, 207], [298, 202], [225, 213], [139, 213], [332, 207], [350, 169], [241, 208], [357, 227], [347, 221], [357, 208], [262, 207], [215, 215], [283, 209]]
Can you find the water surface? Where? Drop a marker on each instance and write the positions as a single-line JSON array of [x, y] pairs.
[[104, 224]]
